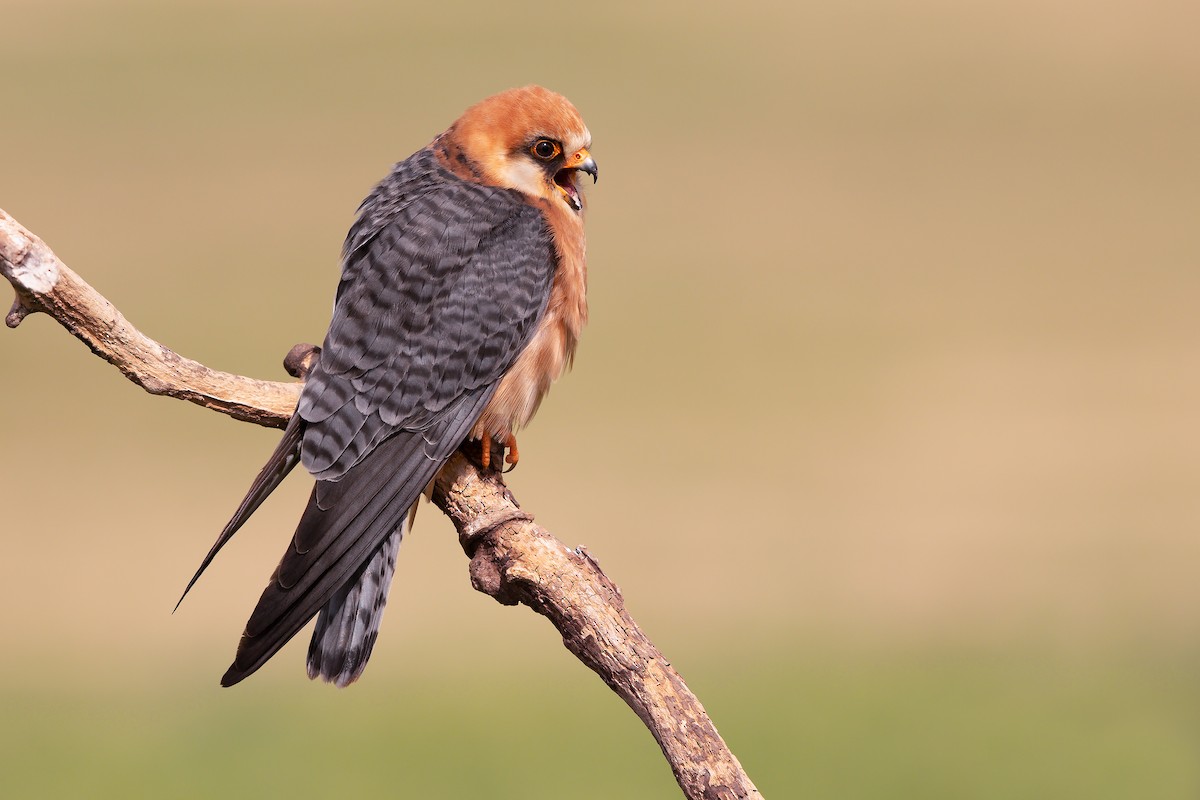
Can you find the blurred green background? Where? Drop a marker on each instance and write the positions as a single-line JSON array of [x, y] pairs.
[[887, 421]]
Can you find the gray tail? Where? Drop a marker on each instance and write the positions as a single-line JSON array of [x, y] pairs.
[[349, 623]]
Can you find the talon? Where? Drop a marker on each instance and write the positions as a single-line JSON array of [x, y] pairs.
[[513, 455]]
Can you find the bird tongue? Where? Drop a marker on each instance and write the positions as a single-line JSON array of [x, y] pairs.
[[566, 179]]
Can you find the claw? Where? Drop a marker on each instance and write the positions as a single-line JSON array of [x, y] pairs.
[[513, 455], [511, 458]]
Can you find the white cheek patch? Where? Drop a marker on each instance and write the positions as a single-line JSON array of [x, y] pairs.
[[523, 175]]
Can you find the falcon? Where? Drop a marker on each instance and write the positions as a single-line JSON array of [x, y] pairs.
[[462, 297]]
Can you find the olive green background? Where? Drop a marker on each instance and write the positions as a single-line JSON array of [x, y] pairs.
[[887, 421]]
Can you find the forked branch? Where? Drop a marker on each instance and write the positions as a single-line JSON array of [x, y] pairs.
[[512, 559]]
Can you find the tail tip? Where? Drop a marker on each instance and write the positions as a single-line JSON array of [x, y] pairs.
[[232, 676], [349, 672]]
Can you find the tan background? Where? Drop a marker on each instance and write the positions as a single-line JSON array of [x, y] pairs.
[[887, 422]]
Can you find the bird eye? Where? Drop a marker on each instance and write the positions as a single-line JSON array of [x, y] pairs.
[[545, 149]]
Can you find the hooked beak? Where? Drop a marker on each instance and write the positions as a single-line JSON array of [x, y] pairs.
[[584, 162]]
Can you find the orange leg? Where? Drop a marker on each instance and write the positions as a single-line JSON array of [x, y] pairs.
[[513, 455], [486, 444]]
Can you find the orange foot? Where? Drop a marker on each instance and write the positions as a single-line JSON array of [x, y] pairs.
[[511, 459], [513, 455]]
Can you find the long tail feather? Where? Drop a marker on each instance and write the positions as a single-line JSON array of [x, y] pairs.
[[281, 462], [344, 525]]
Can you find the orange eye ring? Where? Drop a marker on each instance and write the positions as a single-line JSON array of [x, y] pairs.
[[545, 149]]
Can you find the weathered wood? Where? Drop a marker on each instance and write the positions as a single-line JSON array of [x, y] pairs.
[[513, 560], [44, 284]]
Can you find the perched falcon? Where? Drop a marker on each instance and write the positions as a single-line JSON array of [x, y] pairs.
[[462, 297]]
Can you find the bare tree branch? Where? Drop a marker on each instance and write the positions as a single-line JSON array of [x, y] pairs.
[[43, 283], [517, 561], [512, 559]]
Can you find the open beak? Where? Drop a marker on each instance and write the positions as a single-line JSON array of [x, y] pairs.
[[582, 161]]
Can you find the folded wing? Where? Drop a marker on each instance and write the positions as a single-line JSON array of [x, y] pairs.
[[443, 284]]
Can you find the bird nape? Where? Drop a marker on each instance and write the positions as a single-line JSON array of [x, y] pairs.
[[462, 297]]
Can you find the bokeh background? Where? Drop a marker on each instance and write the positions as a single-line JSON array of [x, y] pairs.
[[887, 421]]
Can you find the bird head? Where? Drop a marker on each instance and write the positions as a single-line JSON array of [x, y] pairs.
[[529, 139]]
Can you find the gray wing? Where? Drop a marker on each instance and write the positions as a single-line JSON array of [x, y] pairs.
[[443, 285]]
